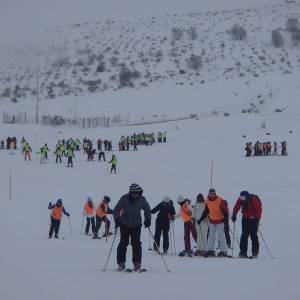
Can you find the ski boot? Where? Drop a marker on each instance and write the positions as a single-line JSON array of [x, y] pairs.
[[182, 253], [136, 266], [222, 254], [56, 236], [243, 255], [121, 267], [210, 253], [253, 256]]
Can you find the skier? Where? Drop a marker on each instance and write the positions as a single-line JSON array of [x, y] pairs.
[[27, 150], [101, 216], [248, 149], [251, 211], [43, 155], [101, 154], [70, 155], [283, 148], [216, 210], [113, 163], [189, 225], [202, 228], [46, 150], [275, 147], [127, 216], [88, 211], [2, 145], [56, 214], [166, 213], [58, 153]]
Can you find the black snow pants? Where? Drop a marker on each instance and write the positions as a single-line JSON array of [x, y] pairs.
[[162, 227], [89, 221], [54, 227], [134, 234], [249, 228]]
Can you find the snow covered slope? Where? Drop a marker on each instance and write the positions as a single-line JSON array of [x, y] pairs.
[[33, 267]]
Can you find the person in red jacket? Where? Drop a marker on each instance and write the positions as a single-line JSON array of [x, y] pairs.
[[251, 212]]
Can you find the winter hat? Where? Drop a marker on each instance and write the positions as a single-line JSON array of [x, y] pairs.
[[244, 195], [180, 199], [106, 199], [200, 197], [166, 199], [59, 202], [135, 188], [211, 192], [89, 199]]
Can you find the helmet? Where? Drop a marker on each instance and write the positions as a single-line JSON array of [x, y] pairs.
[[106, 199], [166, 199], [89, 199], [59, 202], [180, 199]]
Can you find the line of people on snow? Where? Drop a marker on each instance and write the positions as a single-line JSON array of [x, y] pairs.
[[11, 143], [207, 221], [265, 149]]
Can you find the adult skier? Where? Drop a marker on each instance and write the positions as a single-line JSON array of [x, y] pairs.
[[56, 215], [189, 225], [166, 213], [251, 212], [127, 216], [70, 155], [216, 210], [88, 212], [202, 228], [101, 216]]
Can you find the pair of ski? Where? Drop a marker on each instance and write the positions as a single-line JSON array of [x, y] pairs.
[[128, 270]]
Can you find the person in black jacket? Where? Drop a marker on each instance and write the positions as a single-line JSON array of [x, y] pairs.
[[127, 216], [162, 225]]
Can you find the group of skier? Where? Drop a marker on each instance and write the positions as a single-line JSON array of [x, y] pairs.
[[265, 149], [207, 221]]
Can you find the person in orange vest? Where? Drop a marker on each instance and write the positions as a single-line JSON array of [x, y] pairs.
[[101, 216], [189, 225], [88, 211], [56, 214], [217, 211]]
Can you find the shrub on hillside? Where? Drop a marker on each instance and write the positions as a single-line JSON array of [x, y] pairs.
[[238, 33], [127, 76], [277, 39], [194, 62], [192, 33], [177, 34], [292, 24], [296, 36]]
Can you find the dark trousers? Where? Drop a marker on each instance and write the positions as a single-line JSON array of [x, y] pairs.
[[54, 227], [189, 227], [249, 228], [134, 234], [113, 168], [58, 157], [162, 227], [99, 222], [89, 221], [101, 154], [70, 161], [227, 234]]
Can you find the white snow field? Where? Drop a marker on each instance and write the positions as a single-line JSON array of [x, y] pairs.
[[33, 267]]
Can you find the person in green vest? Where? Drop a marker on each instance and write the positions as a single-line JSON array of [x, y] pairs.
[[70, 155], [26, 150], [58, 153], [43, 153], [113, 163]]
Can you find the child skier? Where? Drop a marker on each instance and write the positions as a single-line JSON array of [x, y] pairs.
[[56, 215], [88, 211]]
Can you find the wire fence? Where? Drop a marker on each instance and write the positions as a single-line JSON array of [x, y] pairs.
[[86, 122]]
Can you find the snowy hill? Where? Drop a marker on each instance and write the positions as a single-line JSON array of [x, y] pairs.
[[188, 50]]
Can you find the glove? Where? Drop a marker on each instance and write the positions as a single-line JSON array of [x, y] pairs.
[[68, 215], [199, 221], [117, 223], [233, 218], [147, 223]]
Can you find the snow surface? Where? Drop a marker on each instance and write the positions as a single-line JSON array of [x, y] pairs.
[[33, 267]]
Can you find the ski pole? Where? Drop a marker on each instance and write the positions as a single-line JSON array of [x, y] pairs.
[[233, 238], [110, 250], [70, 227], [171, 241], [174, 237], [82, 220], [266, 245], [162, 257], [149, 241]]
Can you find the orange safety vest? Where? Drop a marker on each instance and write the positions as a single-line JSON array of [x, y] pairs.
[[89, 211], [185, 213], [214, 207], [57, 212], [100, 212]]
